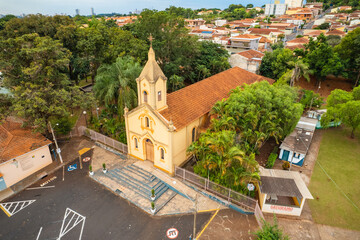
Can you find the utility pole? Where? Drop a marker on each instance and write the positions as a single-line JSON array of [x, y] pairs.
[[194, 232], [57, 147]]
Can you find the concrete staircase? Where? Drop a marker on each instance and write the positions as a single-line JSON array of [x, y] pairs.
[[142, 182]]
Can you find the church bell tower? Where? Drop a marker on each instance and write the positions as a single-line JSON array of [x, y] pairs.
[[151, 83]]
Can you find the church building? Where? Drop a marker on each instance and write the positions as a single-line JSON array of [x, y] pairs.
[[162, 126]]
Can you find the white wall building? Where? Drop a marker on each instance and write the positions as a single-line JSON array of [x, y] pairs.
[[22, 153], [294, 3], [275, 9]]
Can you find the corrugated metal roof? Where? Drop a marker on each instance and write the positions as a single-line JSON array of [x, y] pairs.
[[285, 187]]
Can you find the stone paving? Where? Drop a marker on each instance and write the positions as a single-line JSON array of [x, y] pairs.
[[178, 199]]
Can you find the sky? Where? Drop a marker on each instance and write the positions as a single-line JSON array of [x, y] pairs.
[[52, 7]]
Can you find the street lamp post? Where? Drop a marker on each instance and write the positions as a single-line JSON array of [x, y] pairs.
[[84, 112], [56, 144]]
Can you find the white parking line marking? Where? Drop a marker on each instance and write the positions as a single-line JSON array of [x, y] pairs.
[[33, 188], [68, 227], [10, 208], [39, 234]]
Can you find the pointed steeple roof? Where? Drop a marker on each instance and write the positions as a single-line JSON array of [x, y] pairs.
[[152, 70]]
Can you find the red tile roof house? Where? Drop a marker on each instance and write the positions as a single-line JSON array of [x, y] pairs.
[[249, 60], [245, 41], [271, 34], [335, 32], [22, 153], [297, 41]]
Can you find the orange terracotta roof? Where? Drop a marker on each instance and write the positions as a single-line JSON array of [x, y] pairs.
[[250, 54], [335, 32], [247, 36], [301, 40], [314, 33], [295, 47], [16, 141], [264, 40], [263, 31], [190, 103]]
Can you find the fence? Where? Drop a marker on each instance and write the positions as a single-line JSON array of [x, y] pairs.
[[259, 215], [103, 139], [231, 196]]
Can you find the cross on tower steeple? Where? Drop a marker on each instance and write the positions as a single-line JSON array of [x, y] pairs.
[[151, 39]]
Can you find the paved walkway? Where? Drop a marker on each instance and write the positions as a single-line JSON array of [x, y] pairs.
[[177, 199]]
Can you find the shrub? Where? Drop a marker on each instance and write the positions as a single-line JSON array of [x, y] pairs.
[[311, 98], [90, 168], [270, 231], [62, 125], [104, 166], [152, 205], [152, 192], [286, 165], [271, 160], [275, 150]]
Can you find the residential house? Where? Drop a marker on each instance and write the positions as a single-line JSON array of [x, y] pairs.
[[245, 41], [271, 34], [194, 22], [336, 33], [249, 60], [296, 145], [22, 153]]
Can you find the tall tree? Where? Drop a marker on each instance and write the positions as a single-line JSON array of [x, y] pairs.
[[349, 52], [345, 107], [322, 59], [274, 64], [34, 69], [115, 83]]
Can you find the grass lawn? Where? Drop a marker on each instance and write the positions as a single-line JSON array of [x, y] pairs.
[[339, 155]]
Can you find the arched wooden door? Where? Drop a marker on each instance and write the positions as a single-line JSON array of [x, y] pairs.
[[149, 150]]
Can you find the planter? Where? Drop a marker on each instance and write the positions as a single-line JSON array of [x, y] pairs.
[[91, 173], [153, 197], [153, 210], [104, 170]]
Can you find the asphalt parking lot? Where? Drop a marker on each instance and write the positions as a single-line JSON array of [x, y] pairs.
[[107, 216]]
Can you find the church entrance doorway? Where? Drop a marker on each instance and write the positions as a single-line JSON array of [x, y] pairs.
[[149, 149]]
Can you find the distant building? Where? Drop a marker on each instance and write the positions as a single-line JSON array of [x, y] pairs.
[[275, 9], [245, 41], [294, 3], [77, 12], [92, 12]]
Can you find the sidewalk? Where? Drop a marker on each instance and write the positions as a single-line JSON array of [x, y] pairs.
[[69, 153], [177, 199]]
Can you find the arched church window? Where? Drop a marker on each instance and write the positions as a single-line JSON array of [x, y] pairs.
[[136, 143], [162, 153], [193, 135], [145, 96], [159, 95], [147, 122]]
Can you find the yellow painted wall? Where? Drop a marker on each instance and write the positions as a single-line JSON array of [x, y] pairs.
[[157, 133], [23, 166], [160, 86]]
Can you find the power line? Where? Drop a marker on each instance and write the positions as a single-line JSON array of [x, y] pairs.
[[337, 186]]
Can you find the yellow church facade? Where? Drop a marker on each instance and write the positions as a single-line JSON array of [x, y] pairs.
[[163, 125]]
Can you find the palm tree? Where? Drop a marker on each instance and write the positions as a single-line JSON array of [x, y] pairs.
[[301, 69], [115, 83]]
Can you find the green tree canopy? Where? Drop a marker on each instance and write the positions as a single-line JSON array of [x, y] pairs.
[[349, 52], [274, 64], [115, 83], [345, 107]]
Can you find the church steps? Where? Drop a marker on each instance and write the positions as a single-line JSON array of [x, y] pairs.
[[132, 178], [136, 168], [126, 184], [142, 175], [136, 187]]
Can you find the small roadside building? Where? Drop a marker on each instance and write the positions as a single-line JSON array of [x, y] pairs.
[[22, 153], [295, 146], [282, 192]]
